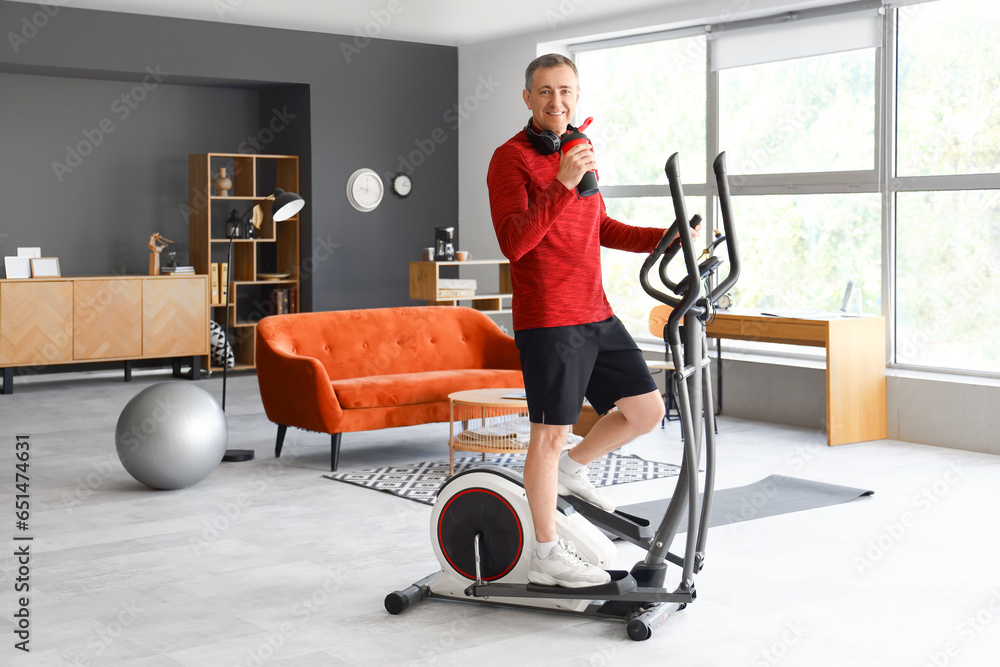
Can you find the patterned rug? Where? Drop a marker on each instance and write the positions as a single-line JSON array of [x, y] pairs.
[[421, 481]]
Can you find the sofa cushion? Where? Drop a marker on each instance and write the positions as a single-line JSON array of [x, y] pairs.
[[416, 388]]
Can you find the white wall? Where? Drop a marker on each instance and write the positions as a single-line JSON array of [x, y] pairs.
[[931, 409]]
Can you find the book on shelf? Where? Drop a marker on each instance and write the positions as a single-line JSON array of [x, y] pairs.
[[457, 283], [281, 301], [456, 293], [176, 270], [213, 271], [223, 283]]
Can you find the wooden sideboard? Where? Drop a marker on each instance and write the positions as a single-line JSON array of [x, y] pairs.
[[47, 321], [855, 363]]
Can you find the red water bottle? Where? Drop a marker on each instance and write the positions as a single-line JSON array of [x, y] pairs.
[[573, 136]]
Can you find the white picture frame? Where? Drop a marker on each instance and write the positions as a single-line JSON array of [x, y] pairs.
[[29, 252], [45, 267], [17, 268]]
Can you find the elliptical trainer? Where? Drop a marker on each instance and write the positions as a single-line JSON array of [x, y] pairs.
[[481, 528]]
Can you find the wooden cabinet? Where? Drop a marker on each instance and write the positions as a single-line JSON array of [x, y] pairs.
[[107, 319], [47, 321], [264, 266], [427, 285], [174, 317], [36, 322]]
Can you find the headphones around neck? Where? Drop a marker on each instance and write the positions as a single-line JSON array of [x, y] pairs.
[[545, 142]]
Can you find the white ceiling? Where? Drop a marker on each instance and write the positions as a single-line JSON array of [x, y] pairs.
[[448, 22]]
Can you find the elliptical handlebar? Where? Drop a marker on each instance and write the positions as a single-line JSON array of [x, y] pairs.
[[681, 297], [690, 297], [732, 247], [666, 249]]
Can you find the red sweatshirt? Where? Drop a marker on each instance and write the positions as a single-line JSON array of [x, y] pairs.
[[553, 238]]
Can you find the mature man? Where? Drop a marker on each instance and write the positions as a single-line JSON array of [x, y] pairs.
[[571, 344]]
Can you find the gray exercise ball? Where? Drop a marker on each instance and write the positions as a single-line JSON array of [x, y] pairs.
[[171, 435]]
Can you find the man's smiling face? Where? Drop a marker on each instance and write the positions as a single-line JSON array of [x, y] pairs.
[[552, 98]]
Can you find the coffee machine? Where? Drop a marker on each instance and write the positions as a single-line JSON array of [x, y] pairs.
[[444, 246]]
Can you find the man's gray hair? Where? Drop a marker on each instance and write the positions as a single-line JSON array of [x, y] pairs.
[[545, 62]]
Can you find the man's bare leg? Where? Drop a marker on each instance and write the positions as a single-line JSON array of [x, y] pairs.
[[553, 561], [541, 477], [635, 416]]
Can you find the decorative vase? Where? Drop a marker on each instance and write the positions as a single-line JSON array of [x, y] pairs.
[[222, 183]]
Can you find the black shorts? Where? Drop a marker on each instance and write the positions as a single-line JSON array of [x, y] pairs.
[[562, 365]]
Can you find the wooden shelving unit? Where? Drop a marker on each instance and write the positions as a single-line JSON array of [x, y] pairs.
[[425, 285], [273, 250]]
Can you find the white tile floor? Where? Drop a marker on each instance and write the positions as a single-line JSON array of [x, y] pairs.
[[269, 563]]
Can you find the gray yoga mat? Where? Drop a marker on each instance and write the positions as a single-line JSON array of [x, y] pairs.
[[770, 496]]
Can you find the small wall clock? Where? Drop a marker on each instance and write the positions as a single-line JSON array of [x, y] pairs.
[[402, 185]]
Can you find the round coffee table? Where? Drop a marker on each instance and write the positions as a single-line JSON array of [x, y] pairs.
[[503, 424]]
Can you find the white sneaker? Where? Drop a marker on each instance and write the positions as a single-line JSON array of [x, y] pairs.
[[565, 567], [578, 485]]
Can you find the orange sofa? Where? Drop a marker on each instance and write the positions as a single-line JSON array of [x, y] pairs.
[[359, 370]]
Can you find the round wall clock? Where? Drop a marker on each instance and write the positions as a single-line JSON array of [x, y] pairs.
[[365, 190], [402, 185]]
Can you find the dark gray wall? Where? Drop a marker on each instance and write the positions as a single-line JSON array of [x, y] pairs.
[[93, 197], [220, 85]]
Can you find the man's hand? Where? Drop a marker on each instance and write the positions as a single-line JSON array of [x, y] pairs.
[[574, 163], [695, 235]]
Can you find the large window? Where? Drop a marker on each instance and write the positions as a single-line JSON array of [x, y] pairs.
[[803, 115], [949, 88], [804, 124], [648, 101], [800, 250], [947, 217], [861, 146]]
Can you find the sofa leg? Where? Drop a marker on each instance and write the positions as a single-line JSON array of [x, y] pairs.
[[334, 451], [280, 440]]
